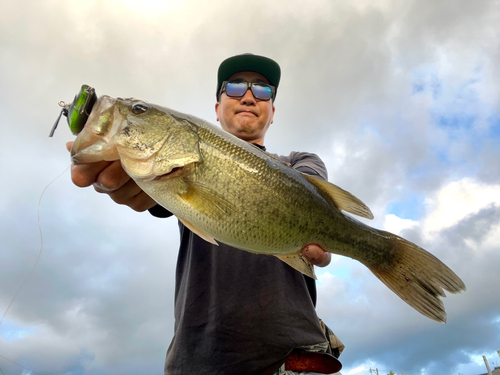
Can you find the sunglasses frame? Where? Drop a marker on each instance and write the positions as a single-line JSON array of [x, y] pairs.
[[250, 86]]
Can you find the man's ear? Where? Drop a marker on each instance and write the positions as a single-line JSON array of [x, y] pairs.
[[217, 110]]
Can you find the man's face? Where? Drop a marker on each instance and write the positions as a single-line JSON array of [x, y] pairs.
[[247, 118]]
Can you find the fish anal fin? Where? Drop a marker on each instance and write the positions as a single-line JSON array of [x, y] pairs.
[[300, 263], [198, 231], [342, 199]]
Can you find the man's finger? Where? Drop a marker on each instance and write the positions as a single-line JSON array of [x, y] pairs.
[[110, 178], [113, 177], [131, 195], [316, 255], [123, 194], [84, 175]]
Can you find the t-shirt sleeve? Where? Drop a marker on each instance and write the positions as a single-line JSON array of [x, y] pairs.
[[308, 163]]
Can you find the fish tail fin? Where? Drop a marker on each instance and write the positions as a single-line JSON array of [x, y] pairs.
[[419, 278]]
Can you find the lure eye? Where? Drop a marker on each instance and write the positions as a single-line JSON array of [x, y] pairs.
[[140, 108]]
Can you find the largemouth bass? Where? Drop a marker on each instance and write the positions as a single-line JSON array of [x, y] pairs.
[[224, 189]]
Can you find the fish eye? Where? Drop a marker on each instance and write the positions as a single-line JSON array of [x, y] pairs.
[[139, 108]]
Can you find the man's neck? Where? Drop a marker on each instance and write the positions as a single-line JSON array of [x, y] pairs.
[[263, 148]]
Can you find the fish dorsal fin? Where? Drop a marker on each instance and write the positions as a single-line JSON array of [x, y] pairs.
[[341, 198], [197, 231], [300, 263]]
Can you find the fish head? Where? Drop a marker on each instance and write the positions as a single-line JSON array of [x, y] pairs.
[[150, 141]]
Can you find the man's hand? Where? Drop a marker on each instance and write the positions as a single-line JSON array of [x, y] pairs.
[[108, 177], [316, 255]]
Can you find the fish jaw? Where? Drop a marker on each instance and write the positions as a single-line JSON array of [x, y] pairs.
[[95, 141]]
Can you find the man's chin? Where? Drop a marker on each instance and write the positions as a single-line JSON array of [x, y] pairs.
[[244, 133], [245, 128]]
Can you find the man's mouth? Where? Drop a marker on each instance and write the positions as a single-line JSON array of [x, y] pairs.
[[246, 112]]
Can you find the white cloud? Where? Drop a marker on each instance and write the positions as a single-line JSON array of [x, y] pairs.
[[455, 201], [395, 224], [356, 370]]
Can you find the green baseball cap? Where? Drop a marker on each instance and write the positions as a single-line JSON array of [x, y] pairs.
[[248, 62]]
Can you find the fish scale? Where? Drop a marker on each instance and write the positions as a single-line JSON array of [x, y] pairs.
[[264, 186]]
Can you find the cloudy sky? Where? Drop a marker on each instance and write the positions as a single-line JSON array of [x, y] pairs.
[[401, 99]]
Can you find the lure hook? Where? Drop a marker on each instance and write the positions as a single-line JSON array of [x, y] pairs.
[[64, 111]]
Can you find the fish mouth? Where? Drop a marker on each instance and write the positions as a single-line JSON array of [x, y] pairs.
[[98, 125], [92, 144]]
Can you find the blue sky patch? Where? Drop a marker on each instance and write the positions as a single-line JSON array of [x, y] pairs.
[[342, 272], [427, 80], [12, 331], [408, 208], [418, 87], [456, 120], [494, 123], [458, 109]]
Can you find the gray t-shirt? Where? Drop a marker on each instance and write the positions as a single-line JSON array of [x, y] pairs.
[[237, 312]]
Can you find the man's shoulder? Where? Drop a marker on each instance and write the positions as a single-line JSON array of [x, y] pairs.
[[306, 162], [298, 156]]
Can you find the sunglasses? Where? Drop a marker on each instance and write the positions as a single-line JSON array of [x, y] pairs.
[[237, 89]]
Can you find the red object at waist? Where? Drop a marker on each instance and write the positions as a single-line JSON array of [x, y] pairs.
[[322, 363]]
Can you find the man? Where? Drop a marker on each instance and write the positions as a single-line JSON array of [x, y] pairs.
[[235, 312]]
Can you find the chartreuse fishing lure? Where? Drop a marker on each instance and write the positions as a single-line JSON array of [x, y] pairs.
[[78, 111]]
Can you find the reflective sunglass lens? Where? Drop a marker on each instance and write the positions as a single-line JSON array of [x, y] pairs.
[[261, 92], [236, 89]]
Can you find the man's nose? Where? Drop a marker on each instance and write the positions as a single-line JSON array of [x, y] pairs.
[[248, 98]]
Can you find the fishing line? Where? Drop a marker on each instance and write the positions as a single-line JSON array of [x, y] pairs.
[[7, 359], [37, 260]]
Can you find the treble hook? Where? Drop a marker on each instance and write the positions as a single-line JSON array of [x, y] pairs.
[[64, 111]]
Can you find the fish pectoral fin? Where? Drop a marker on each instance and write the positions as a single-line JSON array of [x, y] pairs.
[[198, 231], [206, 200], [300, 263], [343, 200]]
